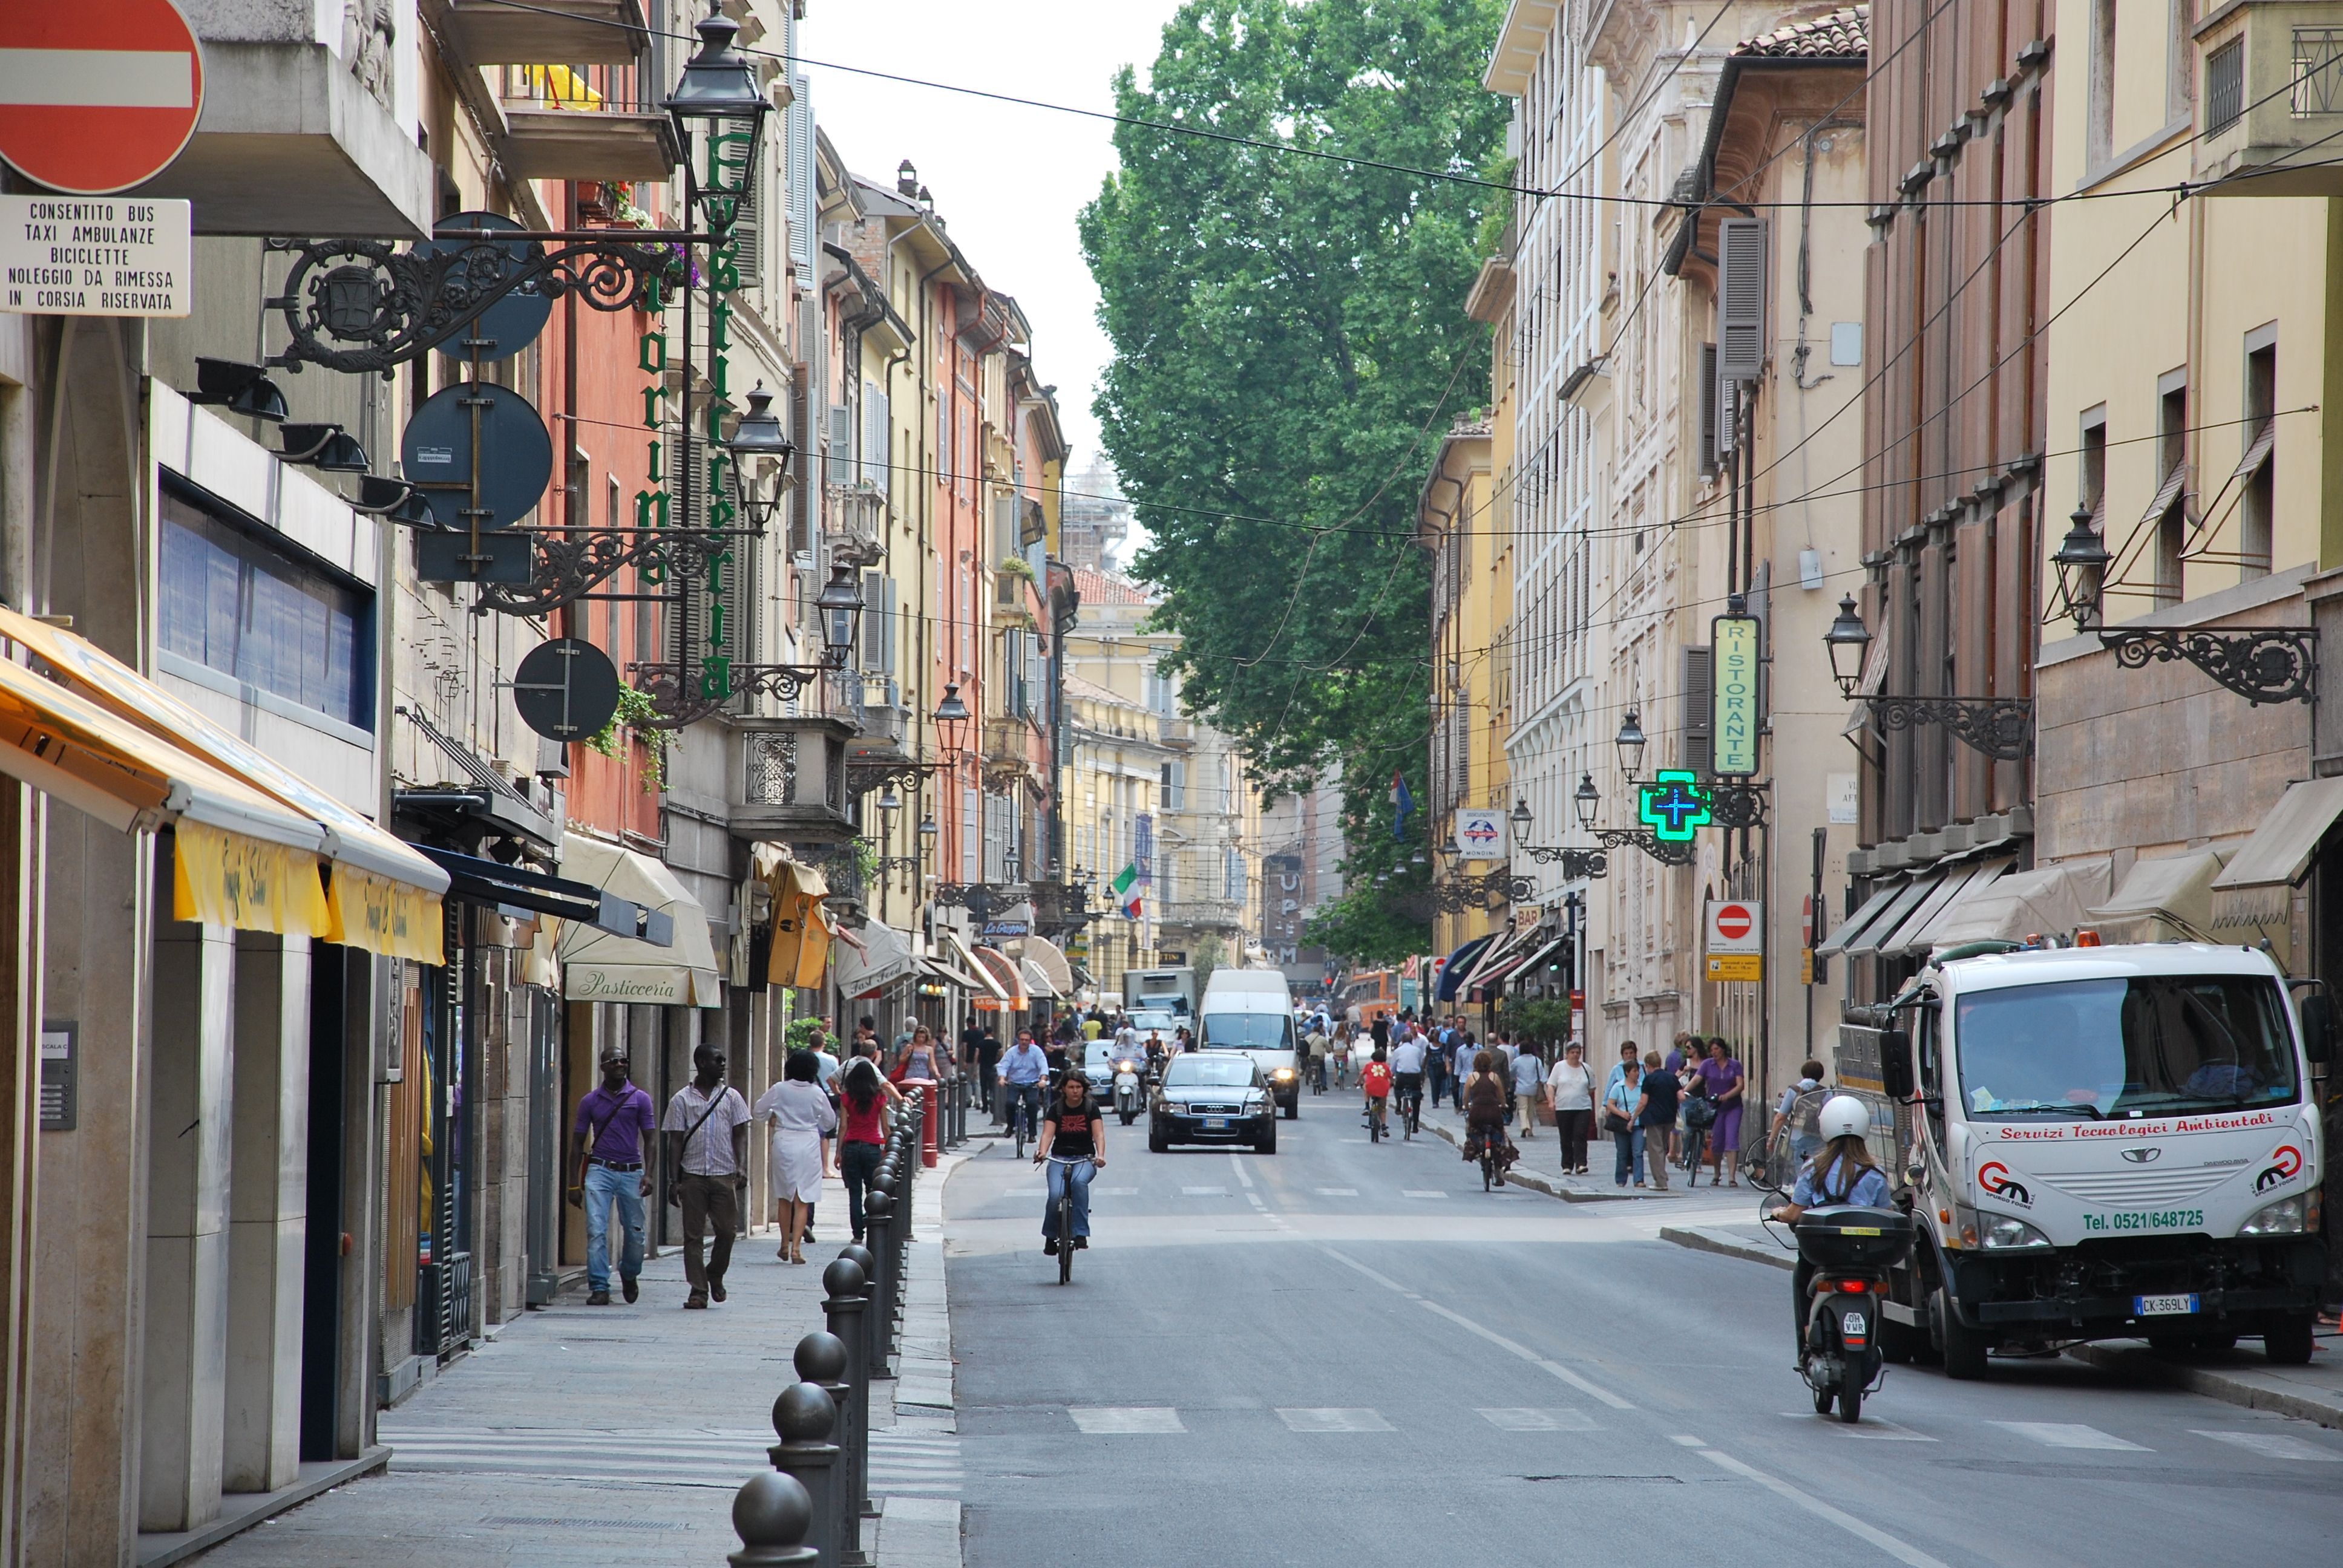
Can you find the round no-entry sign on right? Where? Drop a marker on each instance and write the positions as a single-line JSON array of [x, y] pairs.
[[97, 95], [1733, 926]]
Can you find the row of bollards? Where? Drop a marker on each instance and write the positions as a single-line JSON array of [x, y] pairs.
[[808, 1509]]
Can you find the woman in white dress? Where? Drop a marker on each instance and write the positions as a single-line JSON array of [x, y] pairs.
[[801, 1113]]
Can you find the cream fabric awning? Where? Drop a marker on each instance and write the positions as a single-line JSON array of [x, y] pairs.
[[386, 897], [1852, 926], [2254, 887], [1989, 875], [1050, 959], [961, 957], [886, 958], [1037, 982], [1907, 899], [1913, 932], [2172, 896], [598, 966], [2047, 900]]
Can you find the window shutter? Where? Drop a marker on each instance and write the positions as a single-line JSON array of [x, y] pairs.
[[1699, 751], [887, 649], [1741, 253], [841, 441], [1709, 392], [749, 223], [875, 454], [874, 623]]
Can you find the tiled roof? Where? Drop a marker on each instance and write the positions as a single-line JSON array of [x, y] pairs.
[[1842, 34], [1097, 588]]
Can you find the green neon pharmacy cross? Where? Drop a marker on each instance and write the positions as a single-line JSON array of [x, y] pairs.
[[1674, 805]]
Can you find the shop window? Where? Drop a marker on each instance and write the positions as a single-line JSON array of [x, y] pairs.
[[238, 602]]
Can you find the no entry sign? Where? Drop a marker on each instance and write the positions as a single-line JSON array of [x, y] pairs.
[[96, 96], [1732, 926]]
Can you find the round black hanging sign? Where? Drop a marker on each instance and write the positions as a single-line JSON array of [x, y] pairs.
[[566, 690], [434, 455]]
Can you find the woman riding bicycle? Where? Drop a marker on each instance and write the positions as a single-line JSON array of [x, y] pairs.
[[1484, 1107], [1072, 1150]]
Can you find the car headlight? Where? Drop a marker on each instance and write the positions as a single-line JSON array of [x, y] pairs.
[[2287, 1217], [1283, 1072]]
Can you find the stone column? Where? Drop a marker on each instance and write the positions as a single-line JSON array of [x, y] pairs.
[[189, 1057], [267, 1212]]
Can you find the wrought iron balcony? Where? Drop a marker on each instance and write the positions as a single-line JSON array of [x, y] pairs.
[[2270, 99], [1203, 914]]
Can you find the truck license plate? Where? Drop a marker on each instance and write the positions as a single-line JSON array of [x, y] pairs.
[[1220, 1124], [2163, 1306]]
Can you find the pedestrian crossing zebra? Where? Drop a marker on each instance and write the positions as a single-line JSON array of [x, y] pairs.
[[911, 1464]]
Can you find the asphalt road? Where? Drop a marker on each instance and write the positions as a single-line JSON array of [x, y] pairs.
[[1349, 1353]]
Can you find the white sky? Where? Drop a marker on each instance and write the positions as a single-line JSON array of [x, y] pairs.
[[1009, 181]]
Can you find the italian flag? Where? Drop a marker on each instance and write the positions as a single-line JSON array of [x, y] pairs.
[[1126, 891]]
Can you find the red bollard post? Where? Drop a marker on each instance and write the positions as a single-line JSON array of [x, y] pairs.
[[928, 1128]]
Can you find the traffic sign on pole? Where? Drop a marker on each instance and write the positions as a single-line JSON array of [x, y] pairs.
[[1735, 926], [97, 95]]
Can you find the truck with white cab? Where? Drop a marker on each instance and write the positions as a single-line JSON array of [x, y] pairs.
[[2103, 1142], [1252, 1011], [1160, 991]]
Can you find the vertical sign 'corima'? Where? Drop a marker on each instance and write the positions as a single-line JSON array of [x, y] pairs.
[[1736, 639]]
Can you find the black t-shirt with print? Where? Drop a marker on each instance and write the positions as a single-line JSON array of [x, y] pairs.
[[1077, 1135]]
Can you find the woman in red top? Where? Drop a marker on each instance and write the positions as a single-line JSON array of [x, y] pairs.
[[862, 1131]]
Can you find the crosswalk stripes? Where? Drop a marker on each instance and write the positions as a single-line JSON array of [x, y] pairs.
[[1104, 1421], [2069, 1435], [922, 1464], [1518, 1419], [2273, 1446], [1334, 1420]]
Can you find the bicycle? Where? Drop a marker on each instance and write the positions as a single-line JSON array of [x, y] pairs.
[[1021, 1116], [1376, 1111], [1492, 1158], [1066, 1218], [1410, 1110]]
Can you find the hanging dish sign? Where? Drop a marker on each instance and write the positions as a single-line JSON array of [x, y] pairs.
[[515, 456]]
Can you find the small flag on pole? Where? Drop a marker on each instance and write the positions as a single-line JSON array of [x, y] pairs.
[[1127, 891], [1403, 802]]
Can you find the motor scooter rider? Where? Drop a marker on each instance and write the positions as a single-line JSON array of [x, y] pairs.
[[1841, 1171]]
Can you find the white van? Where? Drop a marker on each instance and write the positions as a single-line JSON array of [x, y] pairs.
[[1252, 1011]]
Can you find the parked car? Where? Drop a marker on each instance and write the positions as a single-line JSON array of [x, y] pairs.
[[1212, 1097]]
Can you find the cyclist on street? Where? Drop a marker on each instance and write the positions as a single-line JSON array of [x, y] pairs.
[[1407, 1078], [1022, 1072], [1072, 1150], [1375, 1079]]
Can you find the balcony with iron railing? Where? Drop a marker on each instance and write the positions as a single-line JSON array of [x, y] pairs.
[[587, 121], [856, 519], [1201, 913], [2270, 99]]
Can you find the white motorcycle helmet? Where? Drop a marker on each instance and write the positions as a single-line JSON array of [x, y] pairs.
[[1843, 1116]]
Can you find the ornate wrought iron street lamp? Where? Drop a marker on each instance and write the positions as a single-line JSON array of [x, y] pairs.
[[1630, 743], [2000, 727], [1847, 641]]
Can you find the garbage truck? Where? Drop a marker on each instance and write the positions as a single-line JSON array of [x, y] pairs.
[[2103, 1142]]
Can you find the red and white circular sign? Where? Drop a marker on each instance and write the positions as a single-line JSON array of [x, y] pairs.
[[1732, 921], [97, 95]]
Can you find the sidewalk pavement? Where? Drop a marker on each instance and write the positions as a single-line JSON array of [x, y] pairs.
[[1539, 1168], [2241, 1377], [607, 1437]]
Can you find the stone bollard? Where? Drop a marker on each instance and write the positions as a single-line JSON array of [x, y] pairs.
[[823, 1361], [860, 1319], [879, 1212], [804, 1417], [770, 1514]]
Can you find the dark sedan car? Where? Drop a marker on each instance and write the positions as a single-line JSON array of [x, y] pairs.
[[1212, 1097]]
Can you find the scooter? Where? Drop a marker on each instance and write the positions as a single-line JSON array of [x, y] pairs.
[[1851, 1249], [1130, 1099]]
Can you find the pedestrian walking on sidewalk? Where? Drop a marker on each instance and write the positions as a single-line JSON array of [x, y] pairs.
[[1725, 1080], [802, 1117], [707, 1137], [606, 1150], [1620, 1103], [1570, 1089], [1655, 1116], [863, 1097], [1529, 1077]]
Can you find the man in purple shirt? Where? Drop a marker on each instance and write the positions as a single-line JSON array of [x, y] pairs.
[[607, 1151]]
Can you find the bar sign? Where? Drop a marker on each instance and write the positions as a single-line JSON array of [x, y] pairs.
[[60, 1065], [1736, 639]]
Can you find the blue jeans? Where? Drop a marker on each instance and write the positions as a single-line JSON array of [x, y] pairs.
[[602, 1185], [1031, 1095], [1629, 1147], [1080, 1173], [856, 1163]]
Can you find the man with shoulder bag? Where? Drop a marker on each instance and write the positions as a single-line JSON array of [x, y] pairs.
[[706, 1138]]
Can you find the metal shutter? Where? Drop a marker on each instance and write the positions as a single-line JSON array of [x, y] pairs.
[[874, 436], [1708, 408], [1740, 254], [1699, 751]]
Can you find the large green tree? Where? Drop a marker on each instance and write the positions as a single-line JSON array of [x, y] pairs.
[[1290, 345]]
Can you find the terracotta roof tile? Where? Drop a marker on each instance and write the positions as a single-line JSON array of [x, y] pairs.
[[1098, 588], [1842, 34]]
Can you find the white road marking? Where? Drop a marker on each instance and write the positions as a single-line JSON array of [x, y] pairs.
[[1871, 1427], [1203, 1192], [2069, 1435], [1902, 1551], [1338, 1192], [1115, 1191], [1687, 1442], [1106, 1421], [2275, 1445], [1554, 1368], [1236, 1163], [1420, 1192], [1330, 1420], [1520, 1419]]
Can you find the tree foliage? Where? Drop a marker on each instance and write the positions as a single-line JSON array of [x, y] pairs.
[[1290, 345]]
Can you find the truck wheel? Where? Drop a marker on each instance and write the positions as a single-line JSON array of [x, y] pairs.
[[1900, 1345], [1964, 1348], [2288, 1340]]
